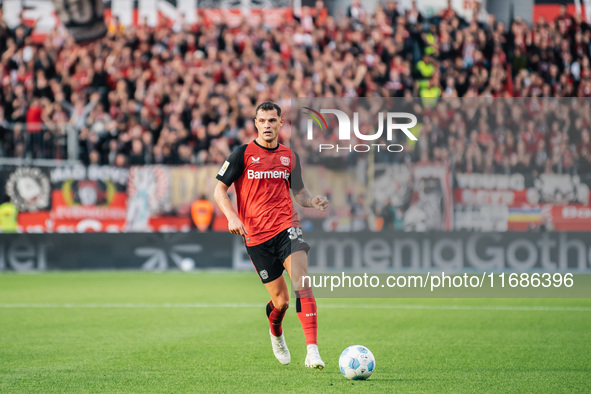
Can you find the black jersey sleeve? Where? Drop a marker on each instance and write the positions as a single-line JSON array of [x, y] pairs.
[[295, 179], [233, 167]]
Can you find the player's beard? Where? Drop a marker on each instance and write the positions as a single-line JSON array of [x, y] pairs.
[[269, 137]]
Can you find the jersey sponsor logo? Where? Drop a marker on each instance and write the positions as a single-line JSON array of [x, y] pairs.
[[285, 160], [224, 168], [252, 174], [264, 274], [256, 159]]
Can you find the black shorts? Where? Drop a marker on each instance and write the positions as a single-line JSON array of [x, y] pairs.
[[268, 257]]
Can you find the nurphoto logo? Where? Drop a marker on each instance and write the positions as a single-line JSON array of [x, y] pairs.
[[344, 130]]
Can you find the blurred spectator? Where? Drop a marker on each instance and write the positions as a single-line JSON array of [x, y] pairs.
[[387, 215], [8, 216], [359, 213], [35, 128], [356, 12], [202, 211], [120, 160]]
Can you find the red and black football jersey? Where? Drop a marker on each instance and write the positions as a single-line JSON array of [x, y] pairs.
[[262, 177]]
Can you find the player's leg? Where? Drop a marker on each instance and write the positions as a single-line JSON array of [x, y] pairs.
[[296, 265], [276, 309], [270, 272], [278, 305]]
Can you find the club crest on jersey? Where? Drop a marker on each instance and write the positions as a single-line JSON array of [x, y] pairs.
[[285, 160], [256, 159]]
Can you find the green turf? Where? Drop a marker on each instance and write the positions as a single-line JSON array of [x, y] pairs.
[[149, 332]]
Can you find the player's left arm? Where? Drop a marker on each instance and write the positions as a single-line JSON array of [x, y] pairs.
[[305, 199], [301, 194]]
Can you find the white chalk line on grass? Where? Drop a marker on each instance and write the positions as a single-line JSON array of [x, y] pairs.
[[328, 306]]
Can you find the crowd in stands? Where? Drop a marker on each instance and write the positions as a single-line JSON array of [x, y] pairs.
[[183, 93]]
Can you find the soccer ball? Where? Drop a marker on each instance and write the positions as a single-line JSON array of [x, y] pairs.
[[187, 264], [357, 362]]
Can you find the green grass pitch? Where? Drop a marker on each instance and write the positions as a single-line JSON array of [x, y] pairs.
[[207, 332]]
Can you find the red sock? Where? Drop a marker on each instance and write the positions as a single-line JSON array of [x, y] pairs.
[[306, 309], [275, 318]]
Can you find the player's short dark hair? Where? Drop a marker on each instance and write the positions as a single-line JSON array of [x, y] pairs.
[[268, 106]]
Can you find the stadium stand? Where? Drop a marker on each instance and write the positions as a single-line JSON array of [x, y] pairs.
[[185, 94]]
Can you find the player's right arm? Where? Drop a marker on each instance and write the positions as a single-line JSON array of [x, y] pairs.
[[231, 170], [235, 225]]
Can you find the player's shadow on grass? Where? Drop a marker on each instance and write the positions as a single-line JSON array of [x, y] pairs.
[[378, 379]]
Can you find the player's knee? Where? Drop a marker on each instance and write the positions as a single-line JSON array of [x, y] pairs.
[[282, 304]]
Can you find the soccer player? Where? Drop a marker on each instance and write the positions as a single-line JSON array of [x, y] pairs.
[[263, 171]]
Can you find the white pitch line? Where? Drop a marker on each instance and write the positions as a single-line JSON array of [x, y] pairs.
[[328, 306], [127, 305], [467, 307]]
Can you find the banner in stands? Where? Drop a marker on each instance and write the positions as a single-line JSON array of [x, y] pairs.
[[183, 188], [489, 197], [160, 197], [481, 218], [235, 17], [69, 199], [568, 217], [28, 187], [393, 182], [521, 203], [366, 251], [235, 12], [559, 189], [492, 181], [479, 189], [431, 203], [35, 222], [148, 195], [550, 11], [407, 197], [94, 192], [41, 13], [41, 222]]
